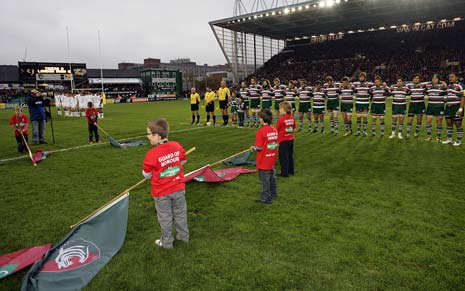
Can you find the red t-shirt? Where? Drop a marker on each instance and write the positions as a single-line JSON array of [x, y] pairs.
[[285, 127], [164, 162], [20, 122], [91, 115], [267, 140]]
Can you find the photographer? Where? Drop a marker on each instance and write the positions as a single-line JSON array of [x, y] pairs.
[[36, 104]]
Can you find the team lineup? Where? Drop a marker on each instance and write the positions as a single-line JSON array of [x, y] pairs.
[[437, 99]]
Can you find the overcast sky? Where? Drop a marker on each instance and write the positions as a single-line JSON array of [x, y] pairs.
[[130, 30]]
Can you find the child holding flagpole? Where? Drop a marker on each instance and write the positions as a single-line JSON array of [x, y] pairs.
[[19, 122], [266, 146], [163, 166]]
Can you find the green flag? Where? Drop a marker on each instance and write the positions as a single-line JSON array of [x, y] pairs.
[[73, 262], [240, 160]]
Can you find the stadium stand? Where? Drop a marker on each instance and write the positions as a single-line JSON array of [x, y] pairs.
[[385, 53]]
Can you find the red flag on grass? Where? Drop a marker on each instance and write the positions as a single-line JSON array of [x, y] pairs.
[[40, 155], [14, 262], [207, 174]]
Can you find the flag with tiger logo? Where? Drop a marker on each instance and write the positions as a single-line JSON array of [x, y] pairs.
[[72, 263]]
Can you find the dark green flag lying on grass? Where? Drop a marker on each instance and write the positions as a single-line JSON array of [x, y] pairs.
[[240, 160], [73, 262], [125, 144]]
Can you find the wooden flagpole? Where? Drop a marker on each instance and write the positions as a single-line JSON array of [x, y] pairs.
[[120, 195]]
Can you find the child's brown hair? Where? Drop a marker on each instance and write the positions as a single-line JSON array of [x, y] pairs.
[[267, 116], [160, 126], [286, 107]]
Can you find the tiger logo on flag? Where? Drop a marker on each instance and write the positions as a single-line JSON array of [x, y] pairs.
[[72, 255]]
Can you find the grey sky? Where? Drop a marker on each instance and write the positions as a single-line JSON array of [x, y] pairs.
[[130, 30]]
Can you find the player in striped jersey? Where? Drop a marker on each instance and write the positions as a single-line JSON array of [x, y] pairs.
[[455, 103], [278, 93], [399, 94], [290, 95], [305, 107], [244, 93], [417, 104], [233, 104], [378, 95], [347, 104], [254, 95], [332, 92], [362, 102], [318, 96], [436, 101], [267, 95]]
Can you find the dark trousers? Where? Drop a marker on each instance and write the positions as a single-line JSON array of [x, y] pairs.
[[241, 116], [268, 180], [286, 157], [93, 131], [21, 145]]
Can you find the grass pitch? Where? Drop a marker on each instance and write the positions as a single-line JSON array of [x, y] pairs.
[[361, 213]]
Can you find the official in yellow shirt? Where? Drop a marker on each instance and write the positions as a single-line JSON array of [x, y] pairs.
[[195, 101], [224, 95], [210, 105]]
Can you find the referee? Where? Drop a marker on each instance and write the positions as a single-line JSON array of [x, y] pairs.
[[210, 105], [223, 95], [195, 100]]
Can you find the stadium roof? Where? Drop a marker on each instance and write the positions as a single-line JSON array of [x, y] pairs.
[[334, 16]]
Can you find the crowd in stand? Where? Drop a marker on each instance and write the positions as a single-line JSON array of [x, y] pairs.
[[388, 54], [8, 95]]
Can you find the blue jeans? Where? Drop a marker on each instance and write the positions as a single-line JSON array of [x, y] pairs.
[[268, 180], [93, 131], [38, 131]]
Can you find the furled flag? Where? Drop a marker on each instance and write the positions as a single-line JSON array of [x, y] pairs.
[[73, 262], [240, 160], [14, 262], [207, 174], [125, 144], [40, 155]]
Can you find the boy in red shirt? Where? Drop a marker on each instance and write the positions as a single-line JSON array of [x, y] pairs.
[[266, 145], [163, 166], [286, 127], [92, 116], [19, 122]]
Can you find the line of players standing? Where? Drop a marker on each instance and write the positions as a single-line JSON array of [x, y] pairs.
[[445, 101]]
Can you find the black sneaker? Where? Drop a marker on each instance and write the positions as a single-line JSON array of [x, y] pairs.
[[43, 142]]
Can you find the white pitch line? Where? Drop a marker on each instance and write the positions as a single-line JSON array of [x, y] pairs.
[[97, 144]]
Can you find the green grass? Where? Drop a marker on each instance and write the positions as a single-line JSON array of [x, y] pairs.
[[361, 213]]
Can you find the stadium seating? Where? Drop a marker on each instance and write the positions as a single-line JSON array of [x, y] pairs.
[[387, 53]]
